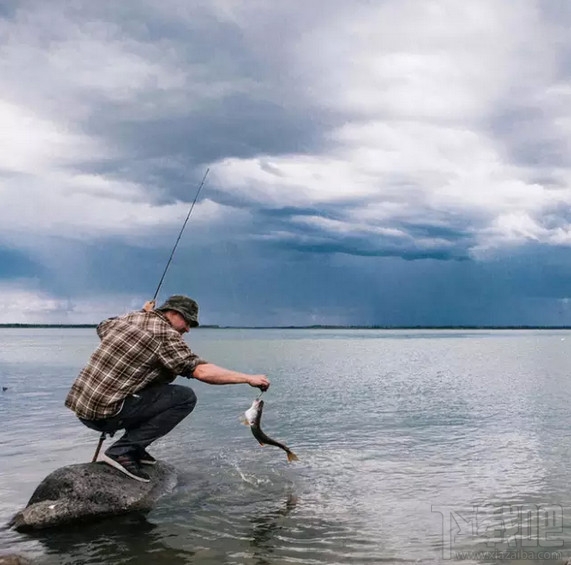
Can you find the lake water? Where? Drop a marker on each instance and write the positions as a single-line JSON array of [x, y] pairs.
[[414, 447]]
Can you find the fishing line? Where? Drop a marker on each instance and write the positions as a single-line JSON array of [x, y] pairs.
[[180, 234], [237, 265]]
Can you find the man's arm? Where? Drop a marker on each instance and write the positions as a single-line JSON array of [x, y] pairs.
[[215, 375]]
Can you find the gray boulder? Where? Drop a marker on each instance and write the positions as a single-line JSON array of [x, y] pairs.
[[90, 491]]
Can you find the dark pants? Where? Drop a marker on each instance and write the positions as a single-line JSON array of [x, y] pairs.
[[146, 416]]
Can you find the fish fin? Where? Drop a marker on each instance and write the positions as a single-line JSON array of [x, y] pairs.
[[243, 420], [262, 444], [291, 456]]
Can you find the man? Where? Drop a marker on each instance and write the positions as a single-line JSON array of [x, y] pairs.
[[125, 385]]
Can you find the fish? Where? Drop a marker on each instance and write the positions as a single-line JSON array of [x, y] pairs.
[[253, 417]]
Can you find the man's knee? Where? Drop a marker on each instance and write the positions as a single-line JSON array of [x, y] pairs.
[[186, 398]]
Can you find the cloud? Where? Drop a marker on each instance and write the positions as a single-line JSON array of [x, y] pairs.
[[21, 303], [24, 301], [435, 134], [420, 93]]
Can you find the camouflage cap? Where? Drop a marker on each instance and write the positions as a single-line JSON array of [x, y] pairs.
[[185, 306]]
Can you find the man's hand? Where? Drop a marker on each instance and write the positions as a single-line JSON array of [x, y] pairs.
[[259, 381], [150, 305]]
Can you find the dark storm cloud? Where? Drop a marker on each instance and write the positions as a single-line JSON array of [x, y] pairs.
[[427, 242], [416, 240], [386, 163], [233, 98], [362, 248], [165, 151]]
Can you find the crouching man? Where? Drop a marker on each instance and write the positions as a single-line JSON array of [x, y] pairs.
[[126, 384]]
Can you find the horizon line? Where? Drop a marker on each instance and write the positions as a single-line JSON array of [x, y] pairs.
[[326, 326]]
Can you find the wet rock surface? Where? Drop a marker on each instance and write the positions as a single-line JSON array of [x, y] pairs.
[[91, 491]]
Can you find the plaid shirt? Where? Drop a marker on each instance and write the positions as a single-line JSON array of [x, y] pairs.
[[136, 350]]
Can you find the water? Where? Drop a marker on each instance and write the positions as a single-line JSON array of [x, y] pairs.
[[414, 446]]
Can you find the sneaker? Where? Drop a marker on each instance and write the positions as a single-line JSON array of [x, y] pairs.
[[145, 458], [127, 465]]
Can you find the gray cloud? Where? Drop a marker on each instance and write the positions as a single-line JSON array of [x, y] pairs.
[[344, 141]]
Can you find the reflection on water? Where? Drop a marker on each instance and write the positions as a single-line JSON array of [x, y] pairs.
[[415, 447], [121, 540], [266, 538], [268, 528]]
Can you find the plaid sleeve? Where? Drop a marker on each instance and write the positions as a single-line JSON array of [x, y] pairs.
[[104, 327], [175, 354]]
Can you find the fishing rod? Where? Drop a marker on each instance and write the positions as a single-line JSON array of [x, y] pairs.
[[180, 234], [104, 434]]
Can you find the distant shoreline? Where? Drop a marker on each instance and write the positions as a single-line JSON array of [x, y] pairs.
[[313, 327]]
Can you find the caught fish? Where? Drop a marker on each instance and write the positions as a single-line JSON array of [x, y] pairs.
[[252, 418]]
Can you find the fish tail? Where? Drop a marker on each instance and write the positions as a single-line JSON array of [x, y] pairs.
[[291, 456]]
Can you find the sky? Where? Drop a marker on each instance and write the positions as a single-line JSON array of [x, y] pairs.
[[388, 162]]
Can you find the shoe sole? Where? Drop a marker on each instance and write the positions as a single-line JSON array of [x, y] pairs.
[[119, 467], [147, 462]]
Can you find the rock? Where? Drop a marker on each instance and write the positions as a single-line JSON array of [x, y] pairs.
[[89, 491], [13, 560]]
